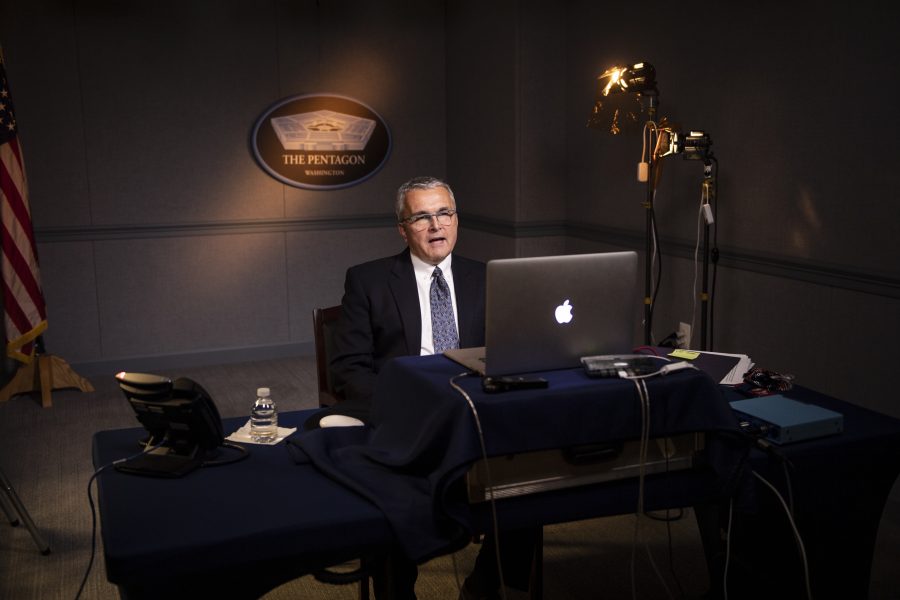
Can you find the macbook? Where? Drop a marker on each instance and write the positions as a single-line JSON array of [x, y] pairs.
[[546, 312]]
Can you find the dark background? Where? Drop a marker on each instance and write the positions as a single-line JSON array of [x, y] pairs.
[[163, 244]]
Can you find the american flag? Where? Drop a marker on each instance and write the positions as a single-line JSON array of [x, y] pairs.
[[23, 299]]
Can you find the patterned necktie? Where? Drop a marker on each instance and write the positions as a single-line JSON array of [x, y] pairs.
[[443, 325]]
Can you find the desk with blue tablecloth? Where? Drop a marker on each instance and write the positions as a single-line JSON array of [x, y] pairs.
[[232, 531], [425, 436], [336, 494], [838, 489]]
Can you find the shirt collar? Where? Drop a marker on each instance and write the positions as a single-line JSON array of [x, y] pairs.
[[424, 269]]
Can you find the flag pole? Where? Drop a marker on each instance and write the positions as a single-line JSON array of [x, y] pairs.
[[25, 312]]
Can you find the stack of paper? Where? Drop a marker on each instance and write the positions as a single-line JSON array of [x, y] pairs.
[[736, 375], [727, 369]]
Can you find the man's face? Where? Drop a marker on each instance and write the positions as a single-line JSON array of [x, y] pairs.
[[433, 243]]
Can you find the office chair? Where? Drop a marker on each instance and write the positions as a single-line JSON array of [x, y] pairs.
[[323, 331], [324, 320], [14, 510]]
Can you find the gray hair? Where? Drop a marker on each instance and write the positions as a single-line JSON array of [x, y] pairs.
[[419, 183]]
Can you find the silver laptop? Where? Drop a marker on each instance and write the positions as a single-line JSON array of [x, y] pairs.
[[544, 313]]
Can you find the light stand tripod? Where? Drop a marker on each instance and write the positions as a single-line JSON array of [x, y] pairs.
[[653, 96], [626, 84], [14, 510], [695, 145], [708, 188]]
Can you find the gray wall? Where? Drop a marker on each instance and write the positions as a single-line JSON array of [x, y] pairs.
[[791, 95], [161, 241], [158, 234], [794, 100]]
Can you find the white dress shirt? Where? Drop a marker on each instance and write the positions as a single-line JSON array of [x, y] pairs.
[[423, 273]]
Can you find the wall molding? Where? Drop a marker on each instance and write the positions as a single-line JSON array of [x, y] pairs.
[[199, 358], [809, 271], [99, 233]]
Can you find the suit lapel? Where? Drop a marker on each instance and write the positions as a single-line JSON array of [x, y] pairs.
[[465, 300], [406, 295]]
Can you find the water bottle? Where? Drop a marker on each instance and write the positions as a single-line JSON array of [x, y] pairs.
[[263, 418]]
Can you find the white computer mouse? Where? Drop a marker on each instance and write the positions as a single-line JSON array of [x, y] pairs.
[[339, 421]]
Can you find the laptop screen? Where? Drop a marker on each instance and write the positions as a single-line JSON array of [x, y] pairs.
[[544, 313]]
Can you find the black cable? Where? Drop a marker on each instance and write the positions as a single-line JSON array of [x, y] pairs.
[[801, 548], [93, 530], [657, 254], [751, 441], [714, 252], [87, 571], [644, 398], [768, 447], [672, 571], [679, 514], [786, 465], [668, 520], [758, 441], [243, 453], [487, 472]]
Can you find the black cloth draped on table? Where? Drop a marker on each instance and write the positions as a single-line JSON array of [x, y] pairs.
[[424, 437]]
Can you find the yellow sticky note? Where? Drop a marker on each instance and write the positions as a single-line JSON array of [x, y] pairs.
[[686, 354]]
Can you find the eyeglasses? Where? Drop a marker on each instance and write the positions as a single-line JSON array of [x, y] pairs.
[[422, 221]]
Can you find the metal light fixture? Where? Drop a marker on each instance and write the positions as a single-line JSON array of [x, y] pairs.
[[618, 106], [618, 99], [639, 77], [694, 145]]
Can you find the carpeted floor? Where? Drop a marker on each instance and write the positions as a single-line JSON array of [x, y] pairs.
[[46, 455]]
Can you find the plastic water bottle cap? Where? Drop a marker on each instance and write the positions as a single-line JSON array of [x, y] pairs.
[[262, 392]]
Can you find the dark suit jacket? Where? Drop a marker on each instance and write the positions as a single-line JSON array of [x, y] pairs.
[[381, 319]]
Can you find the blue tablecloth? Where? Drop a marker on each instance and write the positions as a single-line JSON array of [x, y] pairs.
[[424, 435], [199, 535], [202, 534]]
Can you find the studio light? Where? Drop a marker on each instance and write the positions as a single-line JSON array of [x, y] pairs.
[[639, 77], [694, 145], [618, 104]]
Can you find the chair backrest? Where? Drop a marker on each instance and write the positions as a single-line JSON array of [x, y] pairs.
[[323, 330]]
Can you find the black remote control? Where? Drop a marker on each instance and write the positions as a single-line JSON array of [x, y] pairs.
[[503, 384]]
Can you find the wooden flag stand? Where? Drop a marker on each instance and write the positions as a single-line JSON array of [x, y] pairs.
[[22, 297], [44, 373]]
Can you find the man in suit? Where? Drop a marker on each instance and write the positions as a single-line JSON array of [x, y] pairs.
[[386, 307], [388, 311]]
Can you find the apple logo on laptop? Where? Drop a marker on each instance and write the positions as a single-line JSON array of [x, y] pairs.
[[563, 312]]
